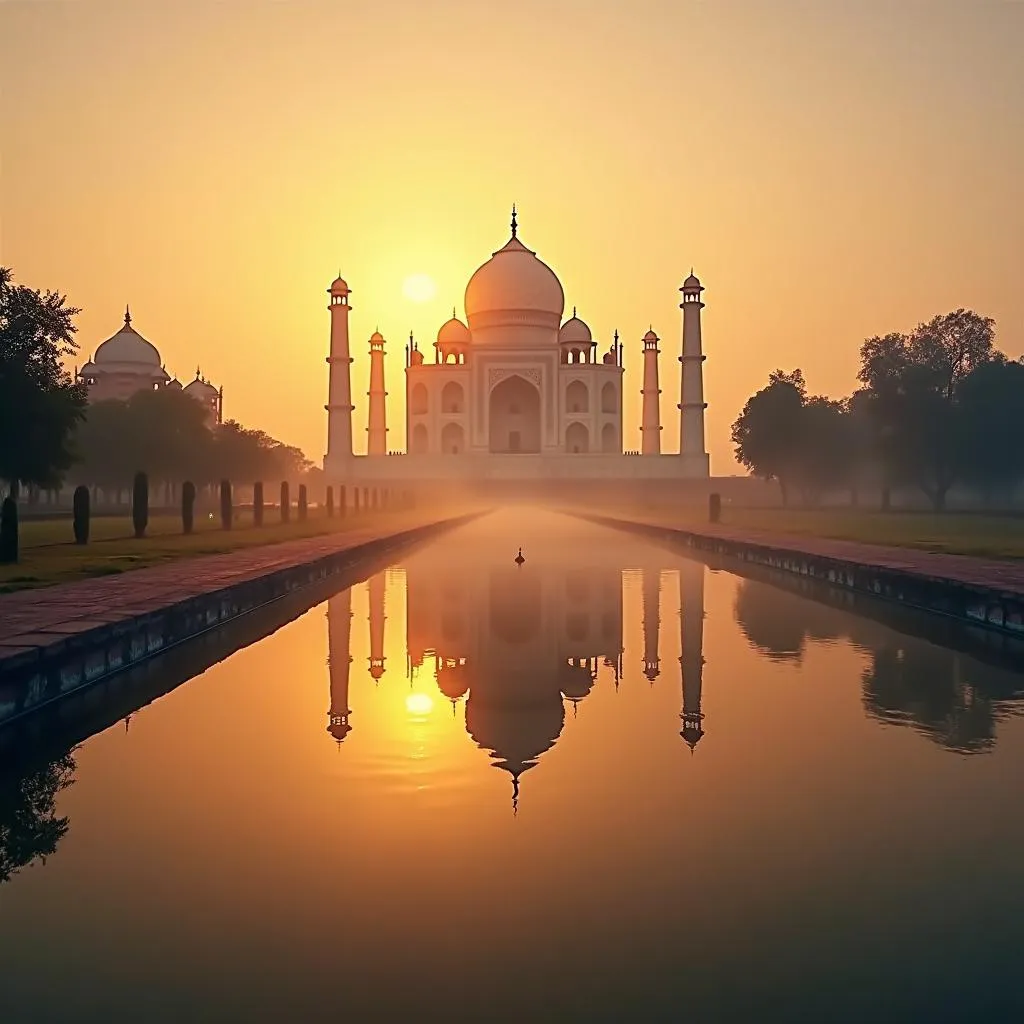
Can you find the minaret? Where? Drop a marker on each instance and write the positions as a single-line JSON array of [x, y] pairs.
[[339, 636], [377, 426], [652, 622], [650, 424], [375, 589], [691, 618], [691, 387], [339, 403]]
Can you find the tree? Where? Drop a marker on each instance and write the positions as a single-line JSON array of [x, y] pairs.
[[826, 447], [991, 398], [40, 403], [911, 384], [767, 433]]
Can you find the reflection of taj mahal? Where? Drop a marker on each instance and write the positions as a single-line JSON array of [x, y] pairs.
[[518, 645], [513, 392]]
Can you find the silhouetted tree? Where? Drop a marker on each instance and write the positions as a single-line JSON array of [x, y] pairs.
[[991, 399], [767, 432], [40, 403]]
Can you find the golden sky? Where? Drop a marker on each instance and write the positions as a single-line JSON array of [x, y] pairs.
[[830, 170]]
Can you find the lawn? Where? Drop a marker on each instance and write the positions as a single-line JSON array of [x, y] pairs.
[[48, 555], [984, 536]]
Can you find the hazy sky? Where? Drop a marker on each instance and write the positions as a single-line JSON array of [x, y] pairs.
[[831, 170]]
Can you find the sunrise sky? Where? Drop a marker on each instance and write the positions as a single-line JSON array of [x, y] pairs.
[[831, 171]]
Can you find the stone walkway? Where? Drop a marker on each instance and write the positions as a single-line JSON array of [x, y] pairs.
[[1005, 576], [36, 618]]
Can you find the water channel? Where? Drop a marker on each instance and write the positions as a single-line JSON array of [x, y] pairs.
[[611, 784]]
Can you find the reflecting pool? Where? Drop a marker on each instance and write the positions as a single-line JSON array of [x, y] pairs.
[[610, 784]]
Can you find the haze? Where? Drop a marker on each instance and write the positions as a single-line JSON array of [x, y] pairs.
[[831, 172]]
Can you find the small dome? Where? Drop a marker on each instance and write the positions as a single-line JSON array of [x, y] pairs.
[[376, 338], [692, 283], [416, 357], [175, 384], [88, 369], [574, 331], [128, 346], [453, 332], [200, 388], [339, 287], [651, 336]]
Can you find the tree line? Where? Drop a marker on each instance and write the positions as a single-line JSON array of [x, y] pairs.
[[50, 435], [936, 408]]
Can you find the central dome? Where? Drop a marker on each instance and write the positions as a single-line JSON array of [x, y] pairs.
[[128, 346], [513, 280]]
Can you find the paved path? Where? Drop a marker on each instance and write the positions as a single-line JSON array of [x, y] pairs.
[[33, 618], [1006, 576]]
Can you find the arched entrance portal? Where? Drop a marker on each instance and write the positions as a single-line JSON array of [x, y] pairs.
[[514, 417]]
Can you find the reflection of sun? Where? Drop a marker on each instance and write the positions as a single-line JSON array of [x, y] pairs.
[[419, 704], [419, 288]]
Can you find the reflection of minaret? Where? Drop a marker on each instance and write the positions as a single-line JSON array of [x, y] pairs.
[[691, 616], [339, 635], [376, 592], [652, 622]]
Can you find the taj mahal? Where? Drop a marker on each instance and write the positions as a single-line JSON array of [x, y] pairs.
[[513, 392]]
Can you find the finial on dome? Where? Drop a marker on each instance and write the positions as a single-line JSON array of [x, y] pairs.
[[574, 311], [127, 316], [453, 312], [514, 220], [197, 371]]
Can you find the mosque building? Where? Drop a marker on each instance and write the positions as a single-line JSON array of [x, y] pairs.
[[127, 363], [512, 391]]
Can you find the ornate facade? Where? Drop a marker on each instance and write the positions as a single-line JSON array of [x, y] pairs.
[[512, 391]]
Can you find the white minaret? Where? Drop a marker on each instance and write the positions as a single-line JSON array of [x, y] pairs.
[[650, 421], [691, 388], [376, 423], [339, 401]]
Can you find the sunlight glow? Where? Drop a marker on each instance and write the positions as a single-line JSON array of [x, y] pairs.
[[419, 704], [419, 288]]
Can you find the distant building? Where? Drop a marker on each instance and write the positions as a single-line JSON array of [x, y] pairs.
[[127, 363]]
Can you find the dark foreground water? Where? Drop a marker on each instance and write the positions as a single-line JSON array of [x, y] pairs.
[[610, 785]]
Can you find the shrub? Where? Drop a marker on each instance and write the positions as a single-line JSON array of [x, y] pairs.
[[9, 531], [286, 507], [225, 504], [80, 514], [188, 506], [330, 502], [257, 503], [303, 503], [342, 501], [140, 504], [715, 507]]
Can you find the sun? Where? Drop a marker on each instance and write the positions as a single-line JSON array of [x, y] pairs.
[[419, 288], [419, 704]]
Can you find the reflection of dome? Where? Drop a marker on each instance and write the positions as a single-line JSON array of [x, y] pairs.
[[339, 727], [513, 279], [126, 352], [453, 679], [453, 332], [575, 681], [514, 736], [574, 331]]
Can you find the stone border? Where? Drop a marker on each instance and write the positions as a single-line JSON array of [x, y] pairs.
[[970, 604], [44, 675]]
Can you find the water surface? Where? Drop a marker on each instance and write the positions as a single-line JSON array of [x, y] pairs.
[[611, 784]]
